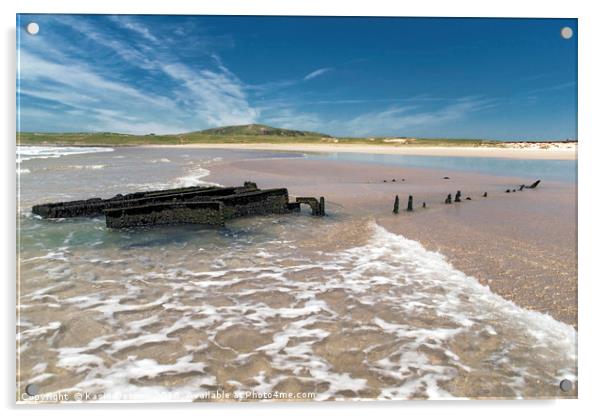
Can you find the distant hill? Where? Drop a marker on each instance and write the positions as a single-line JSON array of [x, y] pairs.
[[259, 130]]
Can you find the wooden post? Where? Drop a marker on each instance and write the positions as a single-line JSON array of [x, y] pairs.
[[410, 203], [458, 194], [534, 185], [396, 205], [448, 199], [485, 194], [322, 206], [424, 205]]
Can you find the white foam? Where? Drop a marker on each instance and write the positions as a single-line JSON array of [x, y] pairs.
[[193, 178], [416, 299], [88, 167], [30, 152]]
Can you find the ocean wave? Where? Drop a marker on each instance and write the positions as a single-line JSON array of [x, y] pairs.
[[30, 152], [194, 178], [388, 320], [88, 167]]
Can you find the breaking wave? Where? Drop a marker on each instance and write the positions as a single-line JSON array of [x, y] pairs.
[[30, 152], [387, 320]]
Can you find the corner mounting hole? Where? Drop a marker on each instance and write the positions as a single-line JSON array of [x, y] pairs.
[[566, 32], [32, 28], [32, 389], [566, 385]]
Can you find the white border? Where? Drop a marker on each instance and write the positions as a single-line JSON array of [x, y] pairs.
[[590, 138]]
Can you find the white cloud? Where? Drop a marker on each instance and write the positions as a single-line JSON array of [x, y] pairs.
[[317, 73], [129, 23], [402, 118], [291, 119], [216, 97], [395, 120], [198, 98], [81, 80]]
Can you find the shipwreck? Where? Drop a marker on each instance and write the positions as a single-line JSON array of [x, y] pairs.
[[212, 205]]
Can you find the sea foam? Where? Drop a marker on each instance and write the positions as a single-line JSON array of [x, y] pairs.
[[30, 152], [386, 320]]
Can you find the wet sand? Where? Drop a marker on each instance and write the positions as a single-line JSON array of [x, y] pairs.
[[523, 245]]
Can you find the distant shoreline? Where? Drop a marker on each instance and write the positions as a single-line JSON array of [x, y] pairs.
[[560, 150], [564, 151]]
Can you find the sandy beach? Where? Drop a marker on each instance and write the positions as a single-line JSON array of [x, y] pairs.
[[535, 151], [522, 244], [475, 299]]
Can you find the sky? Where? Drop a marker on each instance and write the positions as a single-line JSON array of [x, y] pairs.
[[508, 79]]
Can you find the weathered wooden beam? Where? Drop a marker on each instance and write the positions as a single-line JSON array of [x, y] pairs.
[[96, 206], [313, 203], [206, 205], [207, 213], [396, 205], [410, 203]]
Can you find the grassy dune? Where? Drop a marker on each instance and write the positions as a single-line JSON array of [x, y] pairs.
[[114, 139], [245, 134]]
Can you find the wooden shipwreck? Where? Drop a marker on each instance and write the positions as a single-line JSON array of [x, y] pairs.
[[190, 205]]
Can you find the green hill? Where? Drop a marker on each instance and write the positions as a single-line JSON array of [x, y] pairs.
[[257, 129], [241, 134]]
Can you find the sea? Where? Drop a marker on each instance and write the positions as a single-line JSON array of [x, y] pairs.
[[260, 309]]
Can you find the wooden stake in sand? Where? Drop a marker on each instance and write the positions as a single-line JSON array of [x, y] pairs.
[[396, 205], [448, 199], [410, 203], [458, 194]]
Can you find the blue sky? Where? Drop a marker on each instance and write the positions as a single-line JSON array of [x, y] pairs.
[[426, 77]]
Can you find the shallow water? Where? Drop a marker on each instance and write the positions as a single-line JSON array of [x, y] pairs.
[[557, 170], [334, 307]]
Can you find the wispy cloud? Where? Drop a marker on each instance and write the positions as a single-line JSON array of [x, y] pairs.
[[276, 85], [197, 97], [216, 97], [398, 119], [127, 51], [129, 23], [81, 81], [290, 118], [317, 73], [556, 87], [401, 119]]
